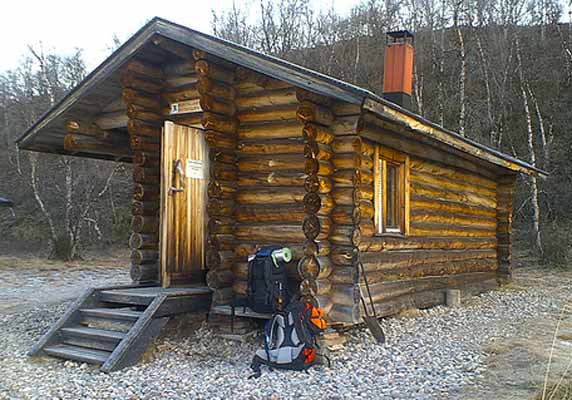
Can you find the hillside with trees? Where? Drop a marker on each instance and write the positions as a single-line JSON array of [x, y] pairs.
[[496, 71]]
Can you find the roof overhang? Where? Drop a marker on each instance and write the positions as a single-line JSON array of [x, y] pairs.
[[49, 127]]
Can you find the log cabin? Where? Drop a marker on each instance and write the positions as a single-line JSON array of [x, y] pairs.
[[233, 150]]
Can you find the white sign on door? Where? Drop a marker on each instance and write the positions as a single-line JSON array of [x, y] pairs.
[[195, 169]]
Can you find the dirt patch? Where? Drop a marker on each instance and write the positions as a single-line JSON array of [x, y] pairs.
[[30, 281]]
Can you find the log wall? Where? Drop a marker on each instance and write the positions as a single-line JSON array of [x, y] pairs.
[[269, 207], [142, 84], [454, 229]]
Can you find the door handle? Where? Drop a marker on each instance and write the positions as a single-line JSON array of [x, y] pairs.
[[177, 169]]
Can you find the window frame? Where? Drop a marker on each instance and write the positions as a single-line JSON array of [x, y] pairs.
[[384, 156]]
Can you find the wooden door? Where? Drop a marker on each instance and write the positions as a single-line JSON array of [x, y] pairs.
[[184, 180]]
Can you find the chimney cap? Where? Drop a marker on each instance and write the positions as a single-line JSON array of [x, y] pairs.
[[400, 36]]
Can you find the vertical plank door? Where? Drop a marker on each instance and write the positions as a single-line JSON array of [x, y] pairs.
[[184, 180]]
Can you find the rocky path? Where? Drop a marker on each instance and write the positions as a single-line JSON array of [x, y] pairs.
[[493, 345]]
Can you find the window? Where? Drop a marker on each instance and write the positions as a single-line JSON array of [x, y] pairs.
[[391, 191]]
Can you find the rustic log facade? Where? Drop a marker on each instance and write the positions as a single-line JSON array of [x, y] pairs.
[[292, 162]]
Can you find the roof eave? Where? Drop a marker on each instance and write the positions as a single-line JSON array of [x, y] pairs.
[[392, 112]]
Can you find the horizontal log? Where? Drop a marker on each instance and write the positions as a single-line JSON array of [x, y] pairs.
[[352, 161], [269, 233], [146, 160], [144, 256], [317, 133], [413, 301], [217, 279], [248, 81], [317, 203], [305, 95], [273, 213], [448, 183], [287, 195], [220, 141], [435, 229], [317, 150], [219, 207], [351, 196], [314, 113], [345, 235], [341, 108], [145, 144], [385, 243], [387, 260], [343, 215], [142, 128], [272, 147], [173, 47], [439, 170], [271, 179], [86, 128], [271, 130], [318, 184], [222, 155], [147, 70], [138, 241], [219, 123], [142, 114], [144, 273], [344, 314], [143, 224], [439, 193], [323, 302], [428, 203], [221, 190], [221, 225], [268, 114], [216, 89], [313, 166], [220, 241], [343, 255], [173, 82], [275, 98], [203, 55], [220, 259], [218, 106], [344, 275], [312, 287], [347, 144], [135, 82], [314, 267], [147, 208], [384, 291], [346, 125], [89, 144], [223, 172], [145, 192], [317, 248], [292, 162], [422, 216], [181, 94], [316, 227], [113, 120], [133, 96], [207, 69]]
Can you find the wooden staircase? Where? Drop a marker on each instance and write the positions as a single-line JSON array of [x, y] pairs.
[[112, 327]]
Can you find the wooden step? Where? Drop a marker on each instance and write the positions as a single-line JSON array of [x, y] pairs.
[[76, 353], [126, 297], [94, 333], [123, 314]]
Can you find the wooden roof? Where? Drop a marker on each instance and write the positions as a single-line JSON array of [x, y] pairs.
[[102, 86]]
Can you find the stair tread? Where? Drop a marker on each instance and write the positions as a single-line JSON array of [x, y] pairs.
[[94, 332], [77, 353], [113, 313]]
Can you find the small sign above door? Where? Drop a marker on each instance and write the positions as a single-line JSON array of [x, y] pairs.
[[195, 169], [187, 106]]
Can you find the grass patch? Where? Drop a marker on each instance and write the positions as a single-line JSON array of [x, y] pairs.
[[562, 391]]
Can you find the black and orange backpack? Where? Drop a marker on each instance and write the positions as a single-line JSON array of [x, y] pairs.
[[290, 338]]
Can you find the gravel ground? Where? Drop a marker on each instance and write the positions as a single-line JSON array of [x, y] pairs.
[[431, 354]]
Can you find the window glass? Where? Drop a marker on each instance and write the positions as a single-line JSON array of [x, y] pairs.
[[391, 190]]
